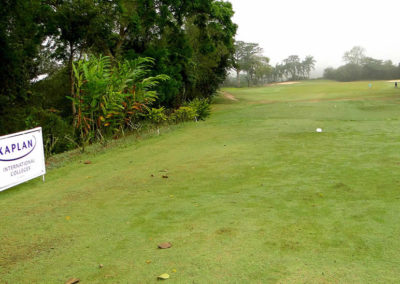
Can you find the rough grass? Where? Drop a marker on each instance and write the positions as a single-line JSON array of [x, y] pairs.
[[253, 195]]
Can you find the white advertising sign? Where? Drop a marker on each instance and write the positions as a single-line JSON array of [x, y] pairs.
[[21, 157]]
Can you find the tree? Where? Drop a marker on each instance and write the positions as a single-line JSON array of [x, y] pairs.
[[22, 29], [278, 72], [355, 56], [308, 64], [212, 45], [329, 73], [246, 57], [191, 41], [293, 66], [186, 38], [77, 25], [262, 70], [361, 67]]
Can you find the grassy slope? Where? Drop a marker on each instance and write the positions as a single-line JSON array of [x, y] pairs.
[[253, 194]]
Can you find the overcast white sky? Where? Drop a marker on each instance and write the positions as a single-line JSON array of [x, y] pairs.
[[324, 29]]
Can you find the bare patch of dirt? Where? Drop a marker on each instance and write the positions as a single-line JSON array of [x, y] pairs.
[[323, 100], [284, 83], [229, 96], [14, 252]]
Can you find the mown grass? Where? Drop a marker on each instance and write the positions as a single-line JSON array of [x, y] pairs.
[[253, 195]]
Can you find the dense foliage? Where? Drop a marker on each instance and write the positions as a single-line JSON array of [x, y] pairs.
[[360, 67], [89, 49], [111, 99]]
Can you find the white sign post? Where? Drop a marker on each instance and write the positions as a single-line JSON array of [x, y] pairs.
[[21, 157]]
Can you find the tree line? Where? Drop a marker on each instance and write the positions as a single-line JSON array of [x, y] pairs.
[[249, 61], [358, 66], [189, 43]]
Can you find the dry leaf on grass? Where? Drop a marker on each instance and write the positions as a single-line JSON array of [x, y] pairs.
[[164, 245], [72, 281]]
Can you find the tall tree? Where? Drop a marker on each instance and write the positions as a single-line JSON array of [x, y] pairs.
[[177, 33], [78, 25], [190, 40], [308, 65], [262, 70], [22, 29], [355, 56], [245, 57], [293, 66], [212, 44]]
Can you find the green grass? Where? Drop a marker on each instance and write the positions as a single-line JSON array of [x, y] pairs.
[[254, 195]]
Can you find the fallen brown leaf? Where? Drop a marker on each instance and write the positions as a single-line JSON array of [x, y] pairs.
[[72, 281], [164, 245]]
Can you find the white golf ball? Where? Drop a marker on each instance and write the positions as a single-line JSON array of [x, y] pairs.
[[319, 130]]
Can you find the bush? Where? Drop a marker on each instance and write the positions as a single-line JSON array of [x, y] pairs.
[[156, 115], [56, 131], [184, 113], [201, 107], [112, 99]]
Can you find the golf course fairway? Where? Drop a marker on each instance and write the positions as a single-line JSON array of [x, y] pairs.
[[251, 195]]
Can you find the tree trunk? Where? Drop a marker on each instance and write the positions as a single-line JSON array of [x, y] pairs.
[[71, 81], [238, 77], [122, 34]]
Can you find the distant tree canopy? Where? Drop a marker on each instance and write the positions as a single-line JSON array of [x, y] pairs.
[[360, 67], [355, 56], [293, 68], [248, 59], [191, 41]]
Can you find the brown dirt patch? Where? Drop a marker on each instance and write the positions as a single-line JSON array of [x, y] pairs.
[[284, 83], [229, 96], [14, 251], [323, 100]]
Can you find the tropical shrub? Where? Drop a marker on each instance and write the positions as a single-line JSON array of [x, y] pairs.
[[201, 107], [156, 116], [184, 113], [111, 99]]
